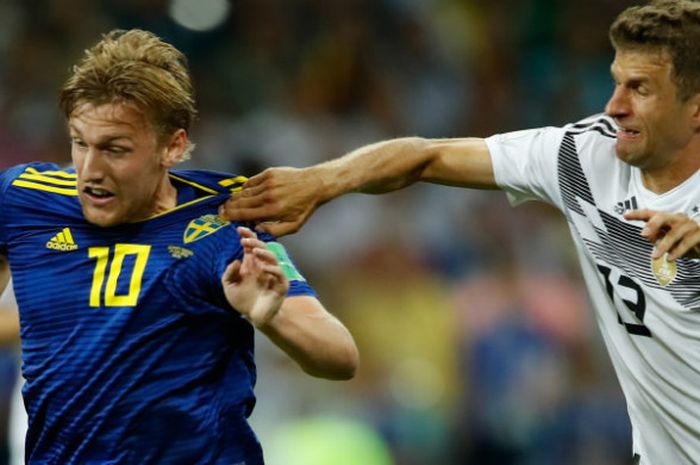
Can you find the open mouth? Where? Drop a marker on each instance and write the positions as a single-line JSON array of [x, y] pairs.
[[98, 194], [627, 132]]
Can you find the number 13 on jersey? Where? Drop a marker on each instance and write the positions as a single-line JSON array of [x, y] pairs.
[[121, 251]]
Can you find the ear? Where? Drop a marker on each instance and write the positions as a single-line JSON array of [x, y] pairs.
[[174, 149]]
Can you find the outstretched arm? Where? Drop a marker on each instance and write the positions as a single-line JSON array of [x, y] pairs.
[[301, 326], [282, 199]]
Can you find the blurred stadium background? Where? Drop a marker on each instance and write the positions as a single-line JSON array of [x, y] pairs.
[[478, 346]]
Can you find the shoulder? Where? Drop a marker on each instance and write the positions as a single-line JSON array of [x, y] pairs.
[[600, 125], [592, 139], [39, 178], [213, 182]]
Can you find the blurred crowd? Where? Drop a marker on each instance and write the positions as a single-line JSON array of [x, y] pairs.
[[477, 341]]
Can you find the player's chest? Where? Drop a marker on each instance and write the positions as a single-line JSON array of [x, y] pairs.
[[80, 266]]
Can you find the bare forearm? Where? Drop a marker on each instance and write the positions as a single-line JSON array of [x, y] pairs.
[[9, 327], [393, 164], [382, 167], [280, 200], [316, 340]]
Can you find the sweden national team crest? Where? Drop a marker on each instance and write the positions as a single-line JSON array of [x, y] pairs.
[[664, 270], [203, 227]]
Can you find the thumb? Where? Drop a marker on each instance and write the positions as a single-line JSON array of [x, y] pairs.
[[232, 274], [279, 228]]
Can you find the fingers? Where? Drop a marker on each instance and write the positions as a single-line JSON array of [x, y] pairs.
[[265, 255], [678, 242], [656, 222], [249, 239], [273, 272], [642, 214], [279, 228], [246, 232], [254, 246], [672, 233], [249, 196], [276, 280], [277, 194], [252, 202], [258, 179], [232, 274], [261, 261], [239, 208]]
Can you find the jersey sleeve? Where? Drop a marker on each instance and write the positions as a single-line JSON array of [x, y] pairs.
[[525, 164], [6, 178], [297, 283]]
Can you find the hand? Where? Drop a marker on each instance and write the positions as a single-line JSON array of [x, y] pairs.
[[278, 200], [674, 233], [256, 286]]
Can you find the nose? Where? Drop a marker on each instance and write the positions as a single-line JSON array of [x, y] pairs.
[[618, 104], [91, 165]]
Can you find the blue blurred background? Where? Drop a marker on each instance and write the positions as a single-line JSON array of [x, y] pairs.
[[478, 344]]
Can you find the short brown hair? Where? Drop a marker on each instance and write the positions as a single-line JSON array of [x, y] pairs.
[[135, 67], [668, 25]]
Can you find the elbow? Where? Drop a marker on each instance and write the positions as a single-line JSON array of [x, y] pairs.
[[341, 367], [351, 363]]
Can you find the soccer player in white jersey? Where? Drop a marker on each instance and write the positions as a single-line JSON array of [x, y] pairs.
[[628, 182]]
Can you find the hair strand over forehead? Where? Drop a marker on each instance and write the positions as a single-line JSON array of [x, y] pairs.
[[672, 26], [134, 67]]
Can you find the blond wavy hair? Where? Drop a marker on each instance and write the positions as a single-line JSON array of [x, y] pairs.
[[135, 67]]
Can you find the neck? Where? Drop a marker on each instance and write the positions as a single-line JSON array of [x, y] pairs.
[[165, 196], [664, 178]]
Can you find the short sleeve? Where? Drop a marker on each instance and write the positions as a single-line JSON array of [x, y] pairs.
[[525, 164], [231, 250], [297, 283], [6, 178]]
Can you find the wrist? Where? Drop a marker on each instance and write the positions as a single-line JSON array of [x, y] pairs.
[[266, 325], [324, 178], [264, 321]]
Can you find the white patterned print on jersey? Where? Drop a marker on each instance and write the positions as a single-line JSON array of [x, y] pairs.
[[648, 312]]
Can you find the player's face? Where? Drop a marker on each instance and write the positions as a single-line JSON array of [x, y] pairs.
[[122, 170], [655, 126]]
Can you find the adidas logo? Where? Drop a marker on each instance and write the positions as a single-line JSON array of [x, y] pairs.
[[62, 241], [629, 204]]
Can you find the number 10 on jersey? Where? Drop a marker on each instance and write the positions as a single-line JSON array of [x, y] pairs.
[[121, 251]]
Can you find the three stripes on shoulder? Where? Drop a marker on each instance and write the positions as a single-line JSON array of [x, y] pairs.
[[57, 182]]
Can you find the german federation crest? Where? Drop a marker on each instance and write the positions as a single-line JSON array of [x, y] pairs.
[[664, 270], [203, 227]]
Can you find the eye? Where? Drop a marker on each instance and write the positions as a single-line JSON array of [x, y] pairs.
[[641, 88], [78, 143], [116, 150]]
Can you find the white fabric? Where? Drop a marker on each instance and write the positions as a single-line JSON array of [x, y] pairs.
[[576, 169]]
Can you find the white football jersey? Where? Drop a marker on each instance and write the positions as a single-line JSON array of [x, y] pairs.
[[648, 311]]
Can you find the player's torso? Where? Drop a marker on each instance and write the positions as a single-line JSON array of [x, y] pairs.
[[649, 311], [123, 336], [651, 293]]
